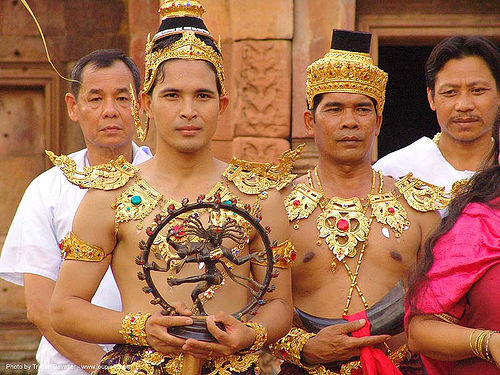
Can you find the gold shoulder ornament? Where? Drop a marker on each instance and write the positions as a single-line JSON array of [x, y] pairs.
[[301, 202], [136, 202], [108, 176], [74, 248], [423, 196], [255, 178]]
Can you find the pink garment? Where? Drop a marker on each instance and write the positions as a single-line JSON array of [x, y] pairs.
[[461, 258], [373, 360]]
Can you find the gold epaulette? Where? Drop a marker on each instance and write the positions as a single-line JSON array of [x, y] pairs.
[[421, 195], [108, 176], [76, 249], [255, 178], [301, 202]]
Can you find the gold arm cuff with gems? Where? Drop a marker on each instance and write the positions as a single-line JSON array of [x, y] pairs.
[[133, 329], [260, 338], [284, 253], [76, 249], [290, 347]]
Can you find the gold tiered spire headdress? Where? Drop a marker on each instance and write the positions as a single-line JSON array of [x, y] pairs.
[[347, 67], [181, 17]]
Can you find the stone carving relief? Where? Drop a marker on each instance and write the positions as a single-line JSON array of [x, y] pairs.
[[263, 86]]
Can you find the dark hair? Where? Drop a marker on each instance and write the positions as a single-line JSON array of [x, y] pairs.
[[459, 47], [165, 42], [102, 58], [483, 187]]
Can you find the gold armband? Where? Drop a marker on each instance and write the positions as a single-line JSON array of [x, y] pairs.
[[260, 338], [447, 318], [284, 253], [75, 249], [133, 329], [290, 347]]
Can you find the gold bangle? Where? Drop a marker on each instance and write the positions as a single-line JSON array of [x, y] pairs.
[[477, 345], [260, 338], [133, 329], [289, 348]]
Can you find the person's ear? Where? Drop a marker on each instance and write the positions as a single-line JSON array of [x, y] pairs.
[[309, 122], [71, 106], [430, 98], [223, 103]]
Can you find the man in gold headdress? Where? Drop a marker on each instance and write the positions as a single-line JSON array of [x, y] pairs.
[[357, 233], [184, 95]]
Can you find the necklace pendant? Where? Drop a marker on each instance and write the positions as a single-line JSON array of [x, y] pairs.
[[343, 224]]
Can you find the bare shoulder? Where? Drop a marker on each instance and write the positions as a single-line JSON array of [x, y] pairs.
[[94, 220]]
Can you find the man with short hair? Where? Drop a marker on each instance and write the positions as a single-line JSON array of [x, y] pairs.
[[184, 95], [357, 233], [99, 101], [462, 75]]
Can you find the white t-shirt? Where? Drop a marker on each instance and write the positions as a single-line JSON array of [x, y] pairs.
[[424, 159], [44, 216]]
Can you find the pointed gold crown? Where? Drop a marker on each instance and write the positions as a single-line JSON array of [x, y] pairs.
[[188, 47], [346, 71], [176, 8]]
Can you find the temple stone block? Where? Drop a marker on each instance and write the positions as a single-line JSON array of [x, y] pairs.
[[261, 19]]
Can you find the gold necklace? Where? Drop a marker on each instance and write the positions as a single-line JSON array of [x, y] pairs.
[[342, 222], [355, 227]]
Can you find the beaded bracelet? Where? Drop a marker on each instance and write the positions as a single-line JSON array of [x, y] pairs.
[[133, 329], [487, 346], [260, 338]]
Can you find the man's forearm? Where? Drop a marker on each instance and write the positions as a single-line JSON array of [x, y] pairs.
[[37, 288], [276, 316]]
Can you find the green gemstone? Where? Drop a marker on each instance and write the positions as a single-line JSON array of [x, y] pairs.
[[135, 200], [227, 202]]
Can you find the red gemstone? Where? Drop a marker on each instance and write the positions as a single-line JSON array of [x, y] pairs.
[[343, 224], [283, 353], [296, 202], [391, 210], [293, 255]]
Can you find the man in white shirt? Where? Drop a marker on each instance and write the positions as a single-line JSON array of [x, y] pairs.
[[99, 101], [463, 88]]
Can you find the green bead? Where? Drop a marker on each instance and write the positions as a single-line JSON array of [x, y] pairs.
[[135, 200]]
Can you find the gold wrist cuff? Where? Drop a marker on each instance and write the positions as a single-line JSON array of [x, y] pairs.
[[289, 348], [76, 249], [260, 338], [133, 329]]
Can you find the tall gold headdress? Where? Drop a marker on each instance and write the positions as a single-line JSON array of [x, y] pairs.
[[179, 17], [347, 67]]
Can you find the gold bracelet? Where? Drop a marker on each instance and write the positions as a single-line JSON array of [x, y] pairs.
[[477, 346], [133, 329], [289, 348], [260, 338]]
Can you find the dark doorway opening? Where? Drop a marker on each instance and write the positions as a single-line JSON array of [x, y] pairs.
[[407, 115]]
